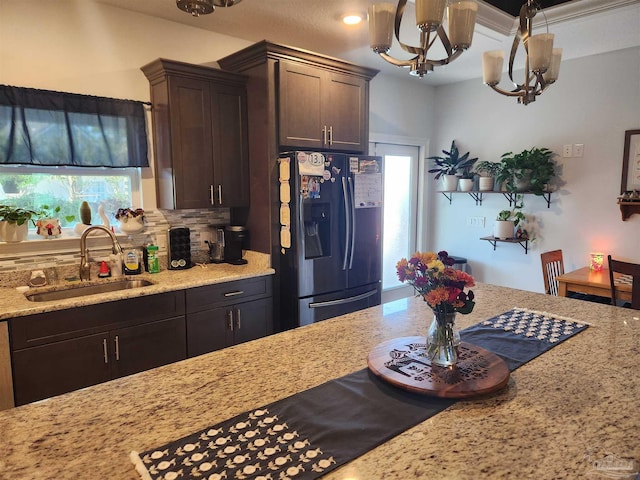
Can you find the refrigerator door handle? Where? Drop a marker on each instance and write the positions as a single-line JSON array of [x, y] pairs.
[[353, 223], [342, 301], [347, 217]]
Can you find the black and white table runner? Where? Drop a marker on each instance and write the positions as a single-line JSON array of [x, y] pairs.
[[310, 433]]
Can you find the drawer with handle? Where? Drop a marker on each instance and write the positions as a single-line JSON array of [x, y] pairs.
[[227, 293]]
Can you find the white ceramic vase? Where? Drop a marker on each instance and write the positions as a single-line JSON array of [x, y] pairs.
[[503, 229], [48, 227], [485, 184], [465, 184], [449, 183], [131, 225], [12, 232]]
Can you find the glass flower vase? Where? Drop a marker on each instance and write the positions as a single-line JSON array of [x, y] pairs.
[[443, 339]]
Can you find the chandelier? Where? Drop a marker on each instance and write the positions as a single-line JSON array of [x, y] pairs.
[[383, 22], [203, 7], [542, 62]]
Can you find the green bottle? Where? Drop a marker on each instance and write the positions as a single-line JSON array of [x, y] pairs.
[[152, 257]]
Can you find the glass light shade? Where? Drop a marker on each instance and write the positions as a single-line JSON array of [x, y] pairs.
[[551, 75], [462, 19], [492, 66], [539, 48], [597, 262], [429, 14], [381, 18]]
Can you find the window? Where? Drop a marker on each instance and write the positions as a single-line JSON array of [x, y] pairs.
[[33, 187], [47, 139]]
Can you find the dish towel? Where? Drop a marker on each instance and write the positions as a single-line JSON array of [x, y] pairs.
[[310, 433]]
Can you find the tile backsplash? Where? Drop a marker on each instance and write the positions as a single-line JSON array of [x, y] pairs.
[[60, 258]]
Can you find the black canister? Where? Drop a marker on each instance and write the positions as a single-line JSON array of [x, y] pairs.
[[235, 238]]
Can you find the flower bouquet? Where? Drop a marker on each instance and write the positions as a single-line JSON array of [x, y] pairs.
[[440, 285]]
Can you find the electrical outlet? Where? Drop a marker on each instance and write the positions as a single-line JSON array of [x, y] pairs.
[[475, 221], [578, 150], [567, 151]]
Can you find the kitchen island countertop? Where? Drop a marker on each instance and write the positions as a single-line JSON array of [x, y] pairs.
[[559, 414], [14, 304]]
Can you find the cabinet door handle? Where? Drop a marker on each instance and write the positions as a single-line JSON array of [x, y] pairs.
[[238, 319], [117, 348], [219, 194], [331, 135], [211, 199], [233, 294], [230, 319], [104, 350], [324, 135]]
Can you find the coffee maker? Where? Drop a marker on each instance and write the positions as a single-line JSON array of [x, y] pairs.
[[216, 246], [235, 240]]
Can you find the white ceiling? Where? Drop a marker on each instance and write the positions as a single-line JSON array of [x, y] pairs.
[[581, 27]]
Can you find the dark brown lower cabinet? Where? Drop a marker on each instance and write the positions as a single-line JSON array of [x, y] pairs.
[[65, 350], [222, 315]]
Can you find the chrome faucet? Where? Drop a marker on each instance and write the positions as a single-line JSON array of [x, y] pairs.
[[85, 268]]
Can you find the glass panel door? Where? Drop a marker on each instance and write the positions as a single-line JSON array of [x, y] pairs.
[[400, 225]]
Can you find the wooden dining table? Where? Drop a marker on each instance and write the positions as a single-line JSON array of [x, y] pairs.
[[585, 280]]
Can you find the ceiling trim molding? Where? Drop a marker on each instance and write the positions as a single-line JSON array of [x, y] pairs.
[[583, 8], [503, 23], [495, 19]]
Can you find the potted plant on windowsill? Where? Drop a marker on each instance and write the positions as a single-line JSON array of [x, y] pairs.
[[449, 165], [14, 223], [487, 172], [48, 225], [527, 171], [130, 220]]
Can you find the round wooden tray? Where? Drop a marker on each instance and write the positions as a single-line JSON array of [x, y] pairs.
[[404, 363]]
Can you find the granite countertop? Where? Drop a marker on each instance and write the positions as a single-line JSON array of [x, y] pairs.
[[14, 304], [579, 398]]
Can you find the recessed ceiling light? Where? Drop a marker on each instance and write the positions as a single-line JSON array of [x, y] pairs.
[[352, 18]]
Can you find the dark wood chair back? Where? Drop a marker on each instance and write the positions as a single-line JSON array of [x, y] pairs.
[[552, 266], [625, 268]]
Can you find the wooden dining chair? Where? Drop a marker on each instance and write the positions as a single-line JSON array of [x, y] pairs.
[[625, 268], [552, 266]]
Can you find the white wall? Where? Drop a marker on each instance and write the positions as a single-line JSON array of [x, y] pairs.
[[81, 46], [594, 101]]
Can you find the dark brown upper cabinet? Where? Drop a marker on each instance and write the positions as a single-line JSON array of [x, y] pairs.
[[320, 109], [199, 135]]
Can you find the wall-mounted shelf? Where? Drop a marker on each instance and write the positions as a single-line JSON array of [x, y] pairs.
[[524, 242], [629, 208], [510, 196]]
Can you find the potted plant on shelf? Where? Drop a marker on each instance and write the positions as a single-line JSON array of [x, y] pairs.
[[449, 165], [48, 225], [465, 180], [487, 172], [14, 223], [508, 220], [527, 171]]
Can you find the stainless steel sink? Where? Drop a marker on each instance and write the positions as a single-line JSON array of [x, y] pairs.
[[82, 290]]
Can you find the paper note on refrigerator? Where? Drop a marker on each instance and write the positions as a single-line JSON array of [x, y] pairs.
[[367, 190], [310, 163]]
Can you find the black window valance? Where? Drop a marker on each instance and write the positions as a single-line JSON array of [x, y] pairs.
[[42, 127]]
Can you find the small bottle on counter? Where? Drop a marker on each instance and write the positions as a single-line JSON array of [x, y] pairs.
[[115, 262], [131, 264], [152, 259]]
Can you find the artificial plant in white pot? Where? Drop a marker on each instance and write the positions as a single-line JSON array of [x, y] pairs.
[[508, 220], [487, 172], [450, 165], [14, 223]]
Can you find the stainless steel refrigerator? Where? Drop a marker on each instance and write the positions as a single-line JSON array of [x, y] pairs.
[[330, 235]]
